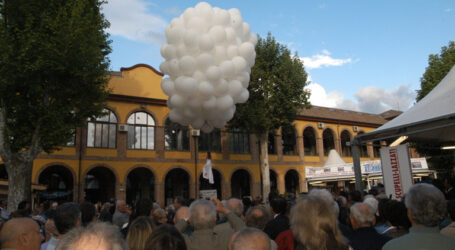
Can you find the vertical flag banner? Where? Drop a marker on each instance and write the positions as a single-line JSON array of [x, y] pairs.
[[396, 170], [207, 171]]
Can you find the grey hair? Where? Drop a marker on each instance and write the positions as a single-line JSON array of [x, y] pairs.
[[250, 239], [372, 202], [104, 232], [236, 206], [257, 217], [327, 197], [202, 214], [427, 204], [363, 213]]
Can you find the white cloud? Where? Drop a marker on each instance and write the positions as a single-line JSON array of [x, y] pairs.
[[368, 99], [323, 60], [131, 19]]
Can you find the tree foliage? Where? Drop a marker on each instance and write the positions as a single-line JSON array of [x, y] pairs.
[[53, 68], [276, 89], [438, 67], [53, 63]]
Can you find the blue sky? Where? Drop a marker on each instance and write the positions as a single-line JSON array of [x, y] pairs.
[[360, 55]]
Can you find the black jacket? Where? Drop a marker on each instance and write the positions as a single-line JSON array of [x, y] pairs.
[[367, 238], [276, 226]]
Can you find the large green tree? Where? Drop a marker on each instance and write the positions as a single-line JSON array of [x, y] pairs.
[[53, 68], [438, 67], [276, 96]]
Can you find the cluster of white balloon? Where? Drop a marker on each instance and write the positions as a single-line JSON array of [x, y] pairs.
[[208, 57]]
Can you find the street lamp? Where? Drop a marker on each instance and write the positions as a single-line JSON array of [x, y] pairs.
[[195, 133]]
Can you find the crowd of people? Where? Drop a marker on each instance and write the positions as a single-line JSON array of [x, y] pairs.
[[424, 219]]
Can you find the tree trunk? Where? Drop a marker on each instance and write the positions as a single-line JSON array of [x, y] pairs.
[[265, 171], [19, 182]]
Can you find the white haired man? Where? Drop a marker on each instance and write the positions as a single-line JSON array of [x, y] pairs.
[[426, 209], [203, 220]]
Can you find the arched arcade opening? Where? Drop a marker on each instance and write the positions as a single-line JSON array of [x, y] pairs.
[[59, 181], [99, 185], [240, 184], [176, 184], [140, 184]]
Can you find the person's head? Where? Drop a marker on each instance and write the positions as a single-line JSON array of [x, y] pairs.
[[166, 237], [182, 213], [121, 206], [325, 195], [143, 208], [256, 217], [88, 213], [251, 239], [314, 224], [138, 233], [372, 202], [396, 214], [362, 215], [426, 205], [159, 216], [278, 205], [179, 201], [67, 216], [202, 214], [21, 233], [355, 196], [100, 236], [236, 206]]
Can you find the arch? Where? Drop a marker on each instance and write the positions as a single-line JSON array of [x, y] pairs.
[[289, 139], [141, 110], [141, 130], [273, 181], [328, 140], [60, 181], [218, 182], [292, 181], [99, 184], [176, 183], [309, 141], [102, 131], [241, 183], [140, 184], [345, 138]]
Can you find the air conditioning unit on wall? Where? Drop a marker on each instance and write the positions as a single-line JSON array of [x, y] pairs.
[[123, 128], [320, 125], [355, 128], [195, 132]]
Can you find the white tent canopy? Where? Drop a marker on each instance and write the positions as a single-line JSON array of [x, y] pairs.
[[333, 159], [431, 119]]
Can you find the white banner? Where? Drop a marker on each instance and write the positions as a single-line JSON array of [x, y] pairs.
[[396, 170], [208, 194]]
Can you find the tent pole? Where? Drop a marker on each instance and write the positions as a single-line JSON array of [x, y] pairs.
[[356, 161]]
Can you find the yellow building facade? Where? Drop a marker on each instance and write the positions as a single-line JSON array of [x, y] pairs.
[[132, 152]]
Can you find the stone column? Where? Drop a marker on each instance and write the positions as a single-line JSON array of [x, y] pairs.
[[320, 148], [280, 183], [227, 190], [121, 144], [338, 145], [159, 142], [159, 193], [370, 150], [300, 148], [120, 191]]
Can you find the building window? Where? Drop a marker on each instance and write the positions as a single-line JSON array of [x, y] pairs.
[[72, 141], [141, 131], [210, 142], [102, 131], [345, 139], [176, 136], [288, 140], [309, 141], [239, 142], [328, 141], [271, 149]]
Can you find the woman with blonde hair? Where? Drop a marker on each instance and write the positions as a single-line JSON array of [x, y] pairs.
[[314, 225], [139, 231]]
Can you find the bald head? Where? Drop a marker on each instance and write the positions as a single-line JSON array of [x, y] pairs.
[[182, 212], [236, 206], [362, 215], [251, 239], [21, 233]]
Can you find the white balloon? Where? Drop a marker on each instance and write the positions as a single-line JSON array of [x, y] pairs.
[[213, 73], [182, 50], [174, 69], [227, 69], [224, 102], [253, 39], [219, 123], [210, 103], [243, 96], [222, 88], [206, 43], [232, 51], [246, 30], [188, 14], [206, 128], [194, 103], [186, 86], [240, 64], [222, 18], [244, 78], [206, 89], [235, 88], [246, 50], [218, 34], [204, 60], [164, 68], [198, 24], [175, 116], [236, 21], [220, 54], [190, 38], [168, 86], [187, 65], [199, 76], [177, 100], [197, 123], [174, 35], [230, 35], [177, 22], [203, 7]]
